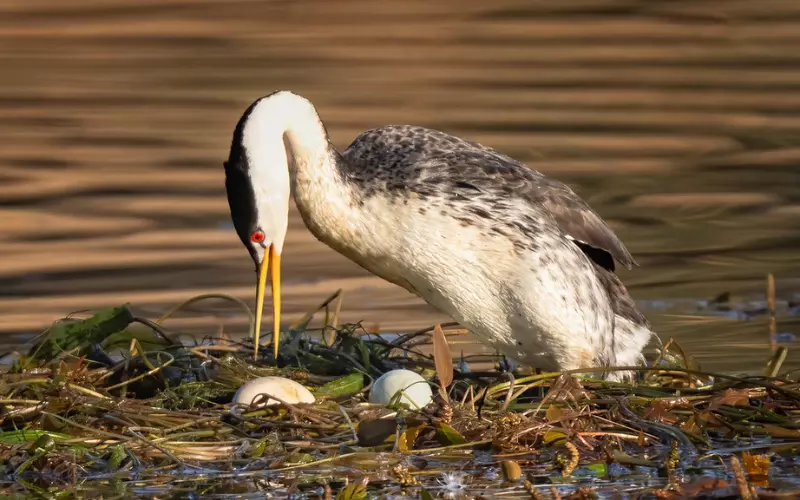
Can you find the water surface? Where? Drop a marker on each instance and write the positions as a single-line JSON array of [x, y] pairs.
[[678, 122]]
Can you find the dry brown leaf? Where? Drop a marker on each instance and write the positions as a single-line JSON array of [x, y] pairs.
[[442, 358], [408, 438], [731, 397], [690, 425], [554, 414], [659, 411], [781, 432], [511, 470], [757, 468], [704, 485]]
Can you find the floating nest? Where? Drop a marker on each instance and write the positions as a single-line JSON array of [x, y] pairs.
[[157, 420]]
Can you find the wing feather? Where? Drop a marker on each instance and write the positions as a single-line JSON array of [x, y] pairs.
[[417, 158], [577, 220], [493, 172]]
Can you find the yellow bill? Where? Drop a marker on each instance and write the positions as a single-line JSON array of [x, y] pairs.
[[272, 261]]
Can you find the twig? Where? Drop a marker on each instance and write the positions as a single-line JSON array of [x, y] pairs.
[[160, 332], [405, 338], [309, 315], [152, 371], [198, 298]]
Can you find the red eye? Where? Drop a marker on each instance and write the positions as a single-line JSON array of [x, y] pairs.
[[257, 237]]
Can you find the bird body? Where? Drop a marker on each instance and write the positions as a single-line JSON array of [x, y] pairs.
[[515, 257]]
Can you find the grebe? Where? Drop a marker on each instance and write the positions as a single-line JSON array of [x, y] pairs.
[[515, 257]]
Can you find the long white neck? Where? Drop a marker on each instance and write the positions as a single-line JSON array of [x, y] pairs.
[[289, 151]]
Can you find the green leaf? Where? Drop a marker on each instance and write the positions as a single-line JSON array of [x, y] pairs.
[[447, 435], [26, 435], [600, 469], [148, 340], [42, 445], [344, 386], [353, 491], [117, 456], [258, 449], [364, 351], [69, 335], [299, 458], [554, 437], [269, 444], [425, 494]]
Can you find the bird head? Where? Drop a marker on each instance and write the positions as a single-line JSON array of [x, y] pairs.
[[257, 185]]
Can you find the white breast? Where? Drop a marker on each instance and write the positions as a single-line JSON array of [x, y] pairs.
[[520, 303]]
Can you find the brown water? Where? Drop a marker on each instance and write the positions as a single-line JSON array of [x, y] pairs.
[[678, 121]]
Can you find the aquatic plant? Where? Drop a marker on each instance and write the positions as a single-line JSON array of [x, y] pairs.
[[113, 403]]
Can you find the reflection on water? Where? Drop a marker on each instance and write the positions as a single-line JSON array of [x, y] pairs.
[[678, 122]]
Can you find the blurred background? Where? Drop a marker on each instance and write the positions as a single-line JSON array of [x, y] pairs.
[[678, 121]]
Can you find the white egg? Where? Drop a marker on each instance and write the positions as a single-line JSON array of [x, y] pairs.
[[417, 392], [282, 388]]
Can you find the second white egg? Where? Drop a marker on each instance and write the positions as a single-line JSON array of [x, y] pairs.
[[416, 391]]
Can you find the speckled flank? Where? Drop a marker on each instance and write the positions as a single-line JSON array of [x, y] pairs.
[[476, 184], [516, 257]]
